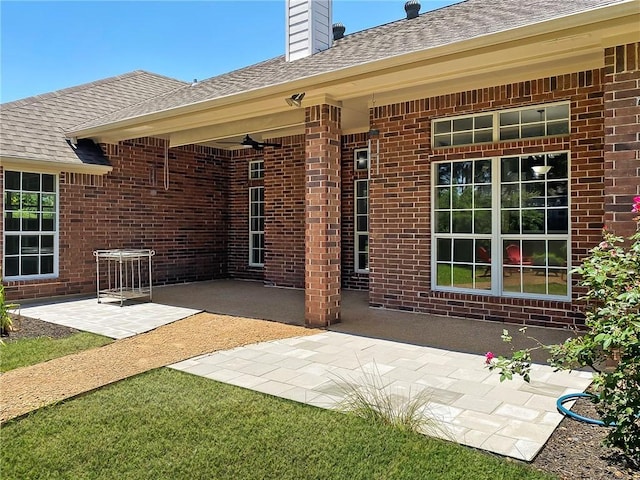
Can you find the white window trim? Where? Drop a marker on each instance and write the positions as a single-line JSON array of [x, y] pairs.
[[356, 232], [252, 232], [496, 124], [56, 233], [497, 255]]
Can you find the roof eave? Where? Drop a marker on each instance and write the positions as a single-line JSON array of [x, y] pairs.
[[51, 166]]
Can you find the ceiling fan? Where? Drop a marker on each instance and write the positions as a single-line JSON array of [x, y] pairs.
[[247, 141]]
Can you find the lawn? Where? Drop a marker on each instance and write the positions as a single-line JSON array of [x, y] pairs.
[[30, 351], [167, 424]]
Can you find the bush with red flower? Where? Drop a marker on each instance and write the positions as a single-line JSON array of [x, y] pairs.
[[611, 275]]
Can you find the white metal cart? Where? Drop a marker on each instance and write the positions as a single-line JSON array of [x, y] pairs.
[[127, 274]]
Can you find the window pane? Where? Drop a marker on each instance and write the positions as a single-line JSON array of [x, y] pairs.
[[483, 251], [362, 206], [29, 265], [512, 281], [558, 128], [46, 264], [30, 245], [462, 221], [557, 194], [534, 195], [532, 115], [482, 222], [31, 182], [12, 200], [482, 197], [12, 221], [442, 140], [48, 202], [482, 171], [510, 169], [46, 244], [362, 223], [443, 275], [444, 174], [443, 197], [31, 200], [463, 276], [363, 261], [462, 124], [443, 220], [443, 126], [48, 183], [509, 118], [482, 277], [48, 222], [526, 169], [462, 138], [510, 196], [484, 121], [509, 133], [11, 267], [557, 112], [12, 245], [30, 222], [533, 221], [363, 243], [483, 136], [362, 188], [12, 180], [444, 249], [462, 172], [558, 221], [463, 250], [535, 130], [461, 197], [510, 221], [559, 163]]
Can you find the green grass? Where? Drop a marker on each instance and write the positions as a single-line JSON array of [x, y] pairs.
[[171, 425], [30, 351]]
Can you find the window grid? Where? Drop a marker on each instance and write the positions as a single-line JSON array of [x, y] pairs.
[[256, 169], [361, 229], [361, 159], [256, 226], [30, 225], [482, 255], [503, 125]]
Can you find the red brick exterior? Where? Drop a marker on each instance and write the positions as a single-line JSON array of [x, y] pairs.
[[622, 136], [322, 215], [199, 226], [400, 242], [184, 224]]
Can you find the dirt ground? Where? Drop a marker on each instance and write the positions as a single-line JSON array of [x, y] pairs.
[[574, 451]]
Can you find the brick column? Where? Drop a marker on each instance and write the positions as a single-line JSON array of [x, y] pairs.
[[322, 216], [622, 136]]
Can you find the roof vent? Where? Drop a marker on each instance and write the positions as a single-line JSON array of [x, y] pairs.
[[412, 7], [338, 31]]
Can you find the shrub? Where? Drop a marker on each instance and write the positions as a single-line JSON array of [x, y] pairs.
[[611, 275]]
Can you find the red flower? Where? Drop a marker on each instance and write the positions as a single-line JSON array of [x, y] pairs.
[[636, 205], [490, 356]]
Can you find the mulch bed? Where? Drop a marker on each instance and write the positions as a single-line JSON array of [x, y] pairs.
[[574, 451]]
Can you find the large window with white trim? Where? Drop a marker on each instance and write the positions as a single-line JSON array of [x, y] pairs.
[[256, 226], [501, 225], [362, 226], [30, 225]]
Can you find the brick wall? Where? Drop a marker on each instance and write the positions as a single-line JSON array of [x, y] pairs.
[[183, 224], [622, 136], [284, 212], [400, 269]]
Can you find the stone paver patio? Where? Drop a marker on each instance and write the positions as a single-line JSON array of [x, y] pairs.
[[473, 408]]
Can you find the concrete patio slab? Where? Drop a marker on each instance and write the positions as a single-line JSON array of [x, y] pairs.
[[108, 318], [509, 418]]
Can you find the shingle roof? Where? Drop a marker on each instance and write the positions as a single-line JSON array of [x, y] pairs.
[[34, 128], [462, 21]]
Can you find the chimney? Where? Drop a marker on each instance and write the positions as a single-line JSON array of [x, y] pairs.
[[412, 7], [338, 31], [309, 29]]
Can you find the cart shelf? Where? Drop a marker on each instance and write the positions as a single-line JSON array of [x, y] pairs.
[[126, 272]]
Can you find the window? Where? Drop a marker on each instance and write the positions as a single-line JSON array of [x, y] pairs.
[[361, 159], [30, 225], [501, 225], [512, 124], [256, 169], [362, 226], [256, 226]]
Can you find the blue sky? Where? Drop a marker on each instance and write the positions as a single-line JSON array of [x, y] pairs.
[[49, 45]]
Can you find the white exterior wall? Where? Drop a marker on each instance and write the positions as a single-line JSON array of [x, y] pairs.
[[308, 27]]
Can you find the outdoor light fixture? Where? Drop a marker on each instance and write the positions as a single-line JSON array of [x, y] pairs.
[[295, 100], [541, 169]]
